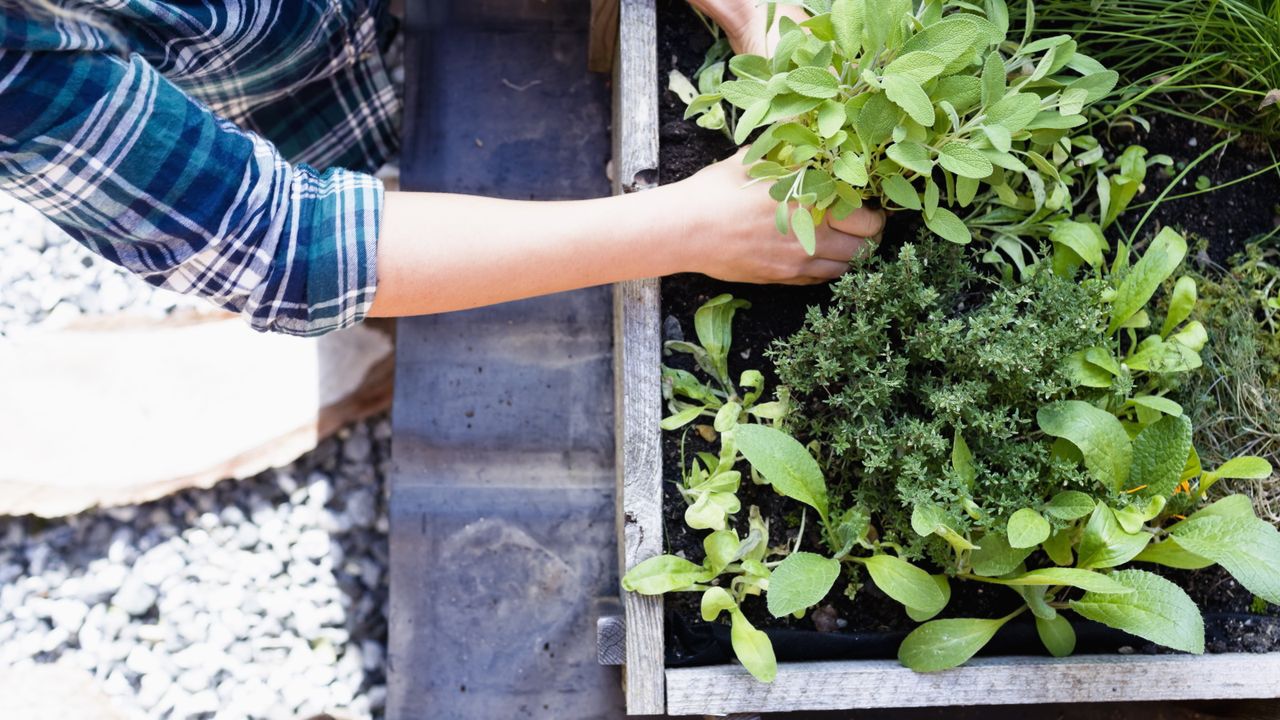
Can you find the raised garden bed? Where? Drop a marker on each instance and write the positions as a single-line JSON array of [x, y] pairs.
[[649, 312]]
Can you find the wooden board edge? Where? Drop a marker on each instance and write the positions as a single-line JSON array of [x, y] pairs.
[[637, 355], [863, 684]]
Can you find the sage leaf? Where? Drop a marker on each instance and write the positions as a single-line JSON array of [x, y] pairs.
[[1141, 282], [1027, 529], [1156, 610], [813, 82], [912, 156], [942, 644], [749, 120], [1248, 548], [800, 581], [743, 94], [831, 117], [1105, 544], [900, 190], [785, 464], [1014, 112], [964, 161], [908, 95], [948, 226], [905, 583], [851, 168], [1058, 636], [1098, 435], [802, 226], [847, 19], [664, 574], [750, 66], [920, 65]]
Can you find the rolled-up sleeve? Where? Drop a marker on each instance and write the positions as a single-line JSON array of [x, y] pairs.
[[150, 179]]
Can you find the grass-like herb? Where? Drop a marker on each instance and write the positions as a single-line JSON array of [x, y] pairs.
[[1213, 61]]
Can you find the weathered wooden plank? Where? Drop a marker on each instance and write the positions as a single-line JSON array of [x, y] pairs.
[[725, 689], [637, 356]]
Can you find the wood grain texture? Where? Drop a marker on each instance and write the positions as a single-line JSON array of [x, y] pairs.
[[725, 689], [637, 360], [604, 35]]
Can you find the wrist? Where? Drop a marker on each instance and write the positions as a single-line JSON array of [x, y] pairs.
[[669, 228]]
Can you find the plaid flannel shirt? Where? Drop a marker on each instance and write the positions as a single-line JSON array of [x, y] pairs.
[[190, 160]]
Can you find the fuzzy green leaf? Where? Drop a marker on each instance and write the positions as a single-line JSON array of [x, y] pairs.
[[800, 581], [900, 190], [908, 95], [964, 161], [1098, 435], [1159, 453], [847, 19], [1248, 548], [1014, 112], [802, 226], [948, 226], [851, 168], [1156, 610], [912, 156], [921, 66], [813, 82]]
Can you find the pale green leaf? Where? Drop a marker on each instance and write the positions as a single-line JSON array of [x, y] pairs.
[[899, 190], [912, 156], [905, 583], [1057, 635], [851, 168], [664, 574], [994, 557], [1027, 529], [1074, 577], [784, 463], [942, 644], [802, 226], [1070, 505], [813, 82], [753, 649]]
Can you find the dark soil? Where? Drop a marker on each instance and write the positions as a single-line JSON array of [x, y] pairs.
[[872, 625]]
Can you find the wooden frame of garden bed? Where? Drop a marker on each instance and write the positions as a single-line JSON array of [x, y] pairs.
[[652, 689]]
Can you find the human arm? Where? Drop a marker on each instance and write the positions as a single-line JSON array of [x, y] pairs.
[[449, 252], [153, 181]]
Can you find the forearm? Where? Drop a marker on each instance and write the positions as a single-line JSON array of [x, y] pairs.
[[438, 253]]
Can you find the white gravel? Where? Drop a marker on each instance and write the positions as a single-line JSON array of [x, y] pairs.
[[263, 598]]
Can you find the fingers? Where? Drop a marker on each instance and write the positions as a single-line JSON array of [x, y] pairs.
[[835, 245], [824, 269], [863, 222]]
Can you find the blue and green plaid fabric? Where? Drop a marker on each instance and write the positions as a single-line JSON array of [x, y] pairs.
[[183, 145]]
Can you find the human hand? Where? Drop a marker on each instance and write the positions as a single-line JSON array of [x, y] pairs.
[[743, 22], [731, 235]]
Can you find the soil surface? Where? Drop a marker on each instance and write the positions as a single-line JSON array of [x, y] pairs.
[[872, 624]]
